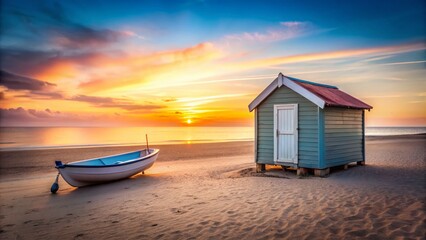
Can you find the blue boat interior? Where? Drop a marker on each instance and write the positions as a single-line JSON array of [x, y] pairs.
[[112, 160]]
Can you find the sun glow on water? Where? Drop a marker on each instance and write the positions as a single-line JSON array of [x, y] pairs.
[[62, 137]]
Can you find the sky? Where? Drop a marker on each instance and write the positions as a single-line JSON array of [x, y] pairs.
[[201, 62]]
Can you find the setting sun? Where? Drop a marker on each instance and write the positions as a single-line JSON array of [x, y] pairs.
[[189, 121]]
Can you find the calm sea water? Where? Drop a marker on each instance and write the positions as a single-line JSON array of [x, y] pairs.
[[68, 137], [59, 137], [389, 131]]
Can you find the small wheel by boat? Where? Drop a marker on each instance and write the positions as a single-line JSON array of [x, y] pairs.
[[54, 188]]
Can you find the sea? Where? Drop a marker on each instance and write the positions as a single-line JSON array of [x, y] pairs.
[[28, 138]]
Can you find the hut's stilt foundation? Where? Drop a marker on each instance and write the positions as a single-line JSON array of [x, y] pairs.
[[321, 172], [302, 171], [360, 163], [260, 167]]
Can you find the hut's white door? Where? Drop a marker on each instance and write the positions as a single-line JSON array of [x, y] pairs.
[[285, 134]]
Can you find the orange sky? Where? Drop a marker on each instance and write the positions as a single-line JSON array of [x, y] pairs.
[[212, 87]]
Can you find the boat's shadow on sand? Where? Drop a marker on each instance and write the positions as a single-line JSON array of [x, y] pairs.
[[138, 182]]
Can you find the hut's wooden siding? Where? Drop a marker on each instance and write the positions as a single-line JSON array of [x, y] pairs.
[[343, 136], [307, 123]]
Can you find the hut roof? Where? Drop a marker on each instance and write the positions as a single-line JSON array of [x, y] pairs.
[[320, 94]]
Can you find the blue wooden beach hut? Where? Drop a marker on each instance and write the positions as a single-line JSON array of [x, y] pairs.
[[307, 125]]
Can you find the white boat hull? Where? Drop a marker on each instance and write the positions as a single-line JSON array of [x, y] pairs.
[[79, 176]]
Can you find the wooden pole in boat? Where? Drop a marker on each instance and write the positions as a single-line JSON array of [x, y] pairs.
[[147, 146]]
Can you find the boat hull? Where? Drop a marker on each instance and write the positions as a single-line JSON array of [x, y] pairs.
[[79, 176]]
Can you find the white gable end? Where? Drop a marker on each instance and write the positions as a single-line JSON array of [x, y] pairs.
[[277, 83]]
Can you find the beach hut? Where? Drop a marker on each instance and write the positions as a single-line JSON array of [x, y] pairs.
[[307, 125]]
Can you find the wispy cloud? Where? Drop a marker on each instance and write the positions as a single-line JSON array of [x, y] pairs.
[[193, 99], [42, 95], [36, 89], [385, 96], [108, 102], [30, 87], [374, 53], [51, 26], [404, 63], [22, 117], [139, 68], [351, 67], [52, 64], [373, 59], [132, 34], [196, 101], [169, 100], [214, 80], [286, 30], [337, 54], [17, 82]]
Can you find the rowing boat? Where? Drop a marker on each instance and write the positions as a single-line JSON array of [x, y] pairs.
[[105, 169]]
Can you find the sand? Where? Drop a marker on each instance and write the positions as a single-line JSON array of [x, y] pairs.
[[209, 191]]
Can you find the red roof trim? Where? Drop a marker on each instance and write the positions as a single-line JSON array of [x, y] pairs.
[[333, 97]]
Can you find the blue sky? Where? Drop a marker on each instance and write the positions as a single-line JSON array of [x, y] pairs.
[[66, 52], [358, 23]]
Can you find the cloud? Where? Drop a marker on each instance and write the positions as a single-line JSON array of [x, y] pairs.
[[140, 68], [286, 30], [108, 102], [404, 63], [31, 117], [95, 71], [216, 97], [169, 100], [133, 107], [352, 67], [241, 66], [32, 88], [16, 82], [92, 99], [349, 53], [385, 96], [373, 59], [84, 37], [50, 24], [23, 115], [132, 34], [41, 62], [45, 95], [36, 89], [196, 101]]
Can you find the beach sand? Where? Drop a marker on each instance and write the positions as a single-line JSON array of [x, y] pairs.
[[209, 191]]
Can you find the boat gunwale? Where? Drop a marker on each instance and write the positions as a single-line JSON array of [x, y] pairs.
[[155, 152]]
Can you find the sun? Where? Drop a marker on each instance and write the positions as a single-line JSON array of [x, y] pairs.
[[188, 121]]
